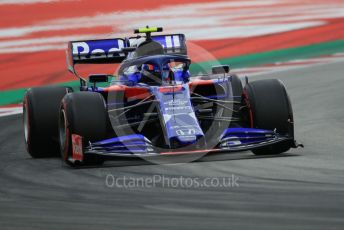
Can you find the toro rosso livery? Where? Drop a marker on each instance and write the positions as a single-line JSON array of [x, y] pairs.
[[154, 107]]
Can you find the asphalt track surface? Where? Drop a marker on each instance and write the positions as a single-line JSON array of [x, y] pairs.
[[302, 189]]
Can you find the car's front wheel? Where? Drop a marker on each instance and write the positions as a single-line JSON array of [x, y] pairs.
[[270, 108], [40, 120], [82, 115]]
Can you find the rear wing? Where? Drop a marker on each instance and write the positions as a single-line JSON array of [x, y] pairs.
[[95, 52], [110, 50]]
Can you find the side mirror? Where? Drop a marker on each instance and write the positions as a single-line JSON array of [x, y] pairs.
[[94, 78], [220, 69]]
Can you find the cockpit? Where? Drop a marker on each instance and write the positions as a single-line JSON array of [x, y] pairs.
[[155, 70]]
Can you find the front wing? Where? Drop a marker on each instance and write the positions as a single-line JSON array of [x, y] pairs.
[[137, 146]]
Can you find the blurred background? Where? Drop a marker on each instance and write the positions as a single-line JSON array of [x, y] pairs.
[[251, 36]]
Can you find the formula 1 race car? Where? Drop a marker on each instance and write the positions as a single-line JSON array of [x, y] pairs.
[[154, 107]]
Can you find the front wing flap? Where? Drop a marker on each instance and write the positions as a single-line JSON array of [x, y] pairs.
[[232, 140]]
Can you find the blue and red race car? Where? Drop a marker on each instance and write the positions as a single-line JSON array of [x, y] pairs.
[[154, 107]]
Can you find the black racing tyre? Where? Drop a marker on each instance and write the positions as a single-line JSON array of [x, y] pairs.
[[236, 87], [40, 119], [271, 109], [84, 114]]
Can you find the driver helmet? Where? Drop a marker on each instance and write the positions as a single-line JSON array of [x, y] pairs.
[[156, 72]]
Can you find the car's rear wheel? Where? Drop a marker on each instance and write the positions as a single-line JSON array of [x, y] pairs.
[[270, 108], [40, 120], [83, 114]]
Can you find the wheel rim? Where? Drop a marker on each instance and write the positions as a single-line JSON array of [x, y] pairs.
[[63, 132], [26, 124]]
